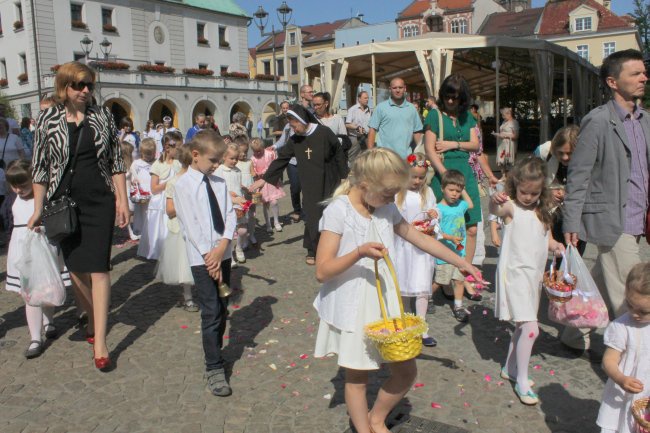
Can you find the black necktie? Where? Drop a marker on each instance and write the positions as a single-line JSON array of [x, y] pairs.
[[217, 219]]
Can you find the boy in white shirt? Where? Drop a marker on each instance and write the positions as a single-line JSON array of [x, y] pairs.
[[208, 221]]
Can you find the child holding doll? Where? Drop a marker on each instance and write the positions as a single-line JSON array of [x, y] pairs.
[[414, 267], [525, 208]]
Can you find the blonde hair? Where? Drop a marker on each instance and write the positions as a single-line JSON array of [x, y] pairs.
[[256, 144], [148, 146], [532, 169], [184, 155], [169, 136], [567, 134], [638, 280], [424, 192], [232, 147], [380, 168], [208, 139], [127, 153], [68, 73]]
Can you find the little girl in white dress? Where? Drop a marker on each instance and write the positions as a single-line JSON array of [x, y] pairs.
[[415, 267], [627, 357], [164, 169]]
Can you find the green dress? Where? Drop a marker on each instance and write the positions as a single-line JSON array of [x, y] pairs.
[[457, 159]]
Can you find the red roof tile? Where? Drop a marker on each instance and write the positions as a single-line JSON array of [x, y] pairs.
[[310, 34], [512, 23], [252, 52], [418, 7], [555, 18]]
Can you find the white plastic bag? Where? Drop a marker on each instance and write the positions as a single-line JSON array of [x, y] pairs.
[[586, 309], [40, 272]]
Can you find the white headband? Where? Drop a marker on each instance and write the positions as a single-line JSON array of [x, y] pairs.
[[296, 116]]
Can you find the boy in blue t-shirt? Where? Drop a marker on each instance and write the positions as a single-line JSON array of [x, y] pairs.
[[452, 210]]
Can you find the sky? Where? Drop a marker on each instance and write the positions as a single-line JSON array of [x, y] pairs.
[[307, 12]]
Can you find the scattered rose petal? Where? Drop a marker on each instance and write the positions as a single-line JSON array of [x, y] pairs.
[[235, 307], [500, 383], [531, 335], [226, 337], [485, 312], [283, 385], [552, 372], [183, 326], [537, 367], [467, 404], [327, 396], [418, 385], [273, 367], [436, 405], [487, 378], [295, 393], [566, 385], [293, 364], [304, 356]]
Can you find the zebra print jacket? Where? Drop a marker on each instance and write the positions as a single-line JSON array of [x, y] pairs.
[[52, 149]]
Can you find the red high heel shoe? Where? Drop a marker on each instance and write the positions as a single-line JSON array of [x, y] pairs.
[[103, 364], [90, 338]]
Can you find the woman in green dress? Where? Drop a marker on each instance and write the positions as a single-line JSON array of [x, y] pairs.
[[452, 150]]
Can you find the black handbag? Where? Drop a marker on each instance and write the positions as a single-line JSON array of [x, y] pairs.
[[59, 216]]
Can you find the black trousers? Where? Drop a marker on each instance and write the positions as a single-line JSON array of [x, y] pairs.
[[294, 187], [214, 311]]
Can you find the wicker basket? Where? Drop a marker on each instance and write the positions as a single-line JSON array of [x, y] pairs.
[[257, 197], [640, 411], [555, 287], [396, 338], [240, 213]]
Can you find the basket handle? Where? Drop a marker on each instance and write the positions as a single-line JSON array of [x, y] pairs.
[[382, 305]]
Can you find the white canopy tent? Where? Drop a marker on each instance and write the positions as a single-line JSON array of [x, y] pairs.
[[487, 62]]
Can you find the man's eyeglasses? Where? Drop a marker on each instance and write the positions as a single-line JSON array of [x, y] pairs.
[[81, 85]]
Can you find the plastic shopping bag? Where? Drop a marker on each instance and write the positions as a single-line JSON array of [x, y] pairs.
[[40, 272], [586, 309]]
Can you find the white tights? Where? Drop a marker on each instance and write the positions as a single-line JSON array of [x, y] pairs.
[[187, 292], [421, 305], [242, 236], [275, 210], [37, 318], [519, 351]]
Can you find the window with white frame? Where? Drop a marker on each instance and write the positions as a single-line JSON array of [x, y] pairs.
[[583, 51], [3, 69], [77, 56], [223, 70], [201, 37], [609, 48], [292, 38], [203, 66], [76, 12], [23, 63], [267, 67], [410, 31], [107, 17], [293, 63], [459, 26], [279, 67], [223, 37], [0, 24], [583, 24], [19, 12]]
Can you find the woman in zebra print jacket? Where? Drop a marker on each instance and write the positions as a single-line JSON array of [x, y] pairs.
[[98, 187]]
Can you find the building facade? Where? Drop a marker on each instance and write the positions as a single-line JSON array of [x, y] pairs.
[[587, 27], [203, 42], [445, 16], [350, 36]]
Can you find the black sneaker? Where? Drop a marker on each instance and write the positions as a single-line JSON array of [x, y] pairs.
[[429, 341], [217, 383], [461, 314]]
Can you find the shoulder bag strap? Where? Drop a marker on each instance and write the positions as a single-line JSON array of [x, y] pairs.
[[5, 146], [74, 158]]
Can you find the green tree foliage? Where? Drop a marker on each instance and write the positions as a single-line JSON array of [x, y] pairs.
[[641, 17], [9, 111]]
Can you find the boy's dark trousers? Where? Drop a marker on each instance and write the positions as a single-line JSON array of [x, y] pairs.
[[214, 311]]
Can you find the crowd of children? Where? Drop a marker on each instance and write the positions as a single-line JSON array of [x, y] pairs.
[[194, 210]]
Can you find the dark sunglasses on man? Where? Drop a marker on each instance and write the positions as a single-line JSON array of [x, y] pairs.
[[81, 85]]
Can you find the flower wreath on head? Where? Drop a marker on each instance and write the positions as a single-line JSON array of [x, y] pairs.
[[413, 162]]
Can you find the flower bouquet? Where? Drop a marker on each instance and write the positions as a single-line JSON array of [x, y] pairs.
[[428, 226], [558, 286], [641, 413], [139, 195], [242, 210]]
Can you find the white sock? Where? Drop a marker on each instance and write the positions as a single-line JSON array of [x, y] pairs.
[[421, 304], [458, 304], [242, 237], [34, 317], [526, 339], [275, 210], [187, 292]]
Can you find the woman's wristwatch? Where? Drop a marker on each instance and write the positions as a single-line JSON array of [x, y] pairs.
[[458, 145]]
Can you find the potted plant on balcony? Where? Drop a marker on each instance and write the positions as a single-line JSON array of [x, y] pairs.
[[235, 75], [4, 82], [201, 40], [267, 77], [109, 28], [198, 71], [109, 66], [160, 69], [23, 78], [224, 44], [78, 24], [18, 25]]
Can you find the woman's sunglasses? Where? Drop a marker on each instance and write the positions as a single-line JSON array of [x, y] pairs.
[[452, 98], [81, 85]]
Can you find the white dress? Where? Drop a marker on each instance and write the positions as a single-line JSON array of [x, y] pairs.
[[140, 175], [632, 339], [173, 266], [349, 301], [246, 168], [22, 211], [524, 251], [154, 231], [233, 178], [414, 267]]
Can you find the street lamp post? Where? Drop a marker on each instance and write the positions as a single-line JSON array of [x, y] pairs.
[[105, 46], [261, 20]]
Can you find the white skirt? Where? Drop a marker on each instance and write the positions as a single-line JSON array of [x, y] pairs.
[[354, 350], [173, 267], [154, 233]]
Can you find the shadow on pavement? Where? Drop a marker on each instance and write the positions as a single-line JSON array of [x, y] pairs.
[[244, 326], [565, 413]]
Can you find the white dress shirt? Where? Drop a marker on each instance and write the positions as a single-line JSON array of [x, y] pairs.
[[193, 212]]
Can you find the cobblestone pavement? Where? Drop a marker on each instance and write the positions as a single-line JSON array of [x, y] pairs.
[[278, 386]]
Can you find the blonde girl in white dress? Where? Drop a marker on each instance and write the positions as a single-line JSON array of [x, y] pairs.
[[525, 208], [164, 169], [229, 172], [245, 165], [357, 228], [173, 266], [415, 267], [627, 357], [39, 319], [127, 155], [140, 174]]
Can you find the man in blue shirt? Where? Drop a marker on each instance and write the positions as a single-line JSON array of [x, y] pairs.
[[199, 124], [395, 122]]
